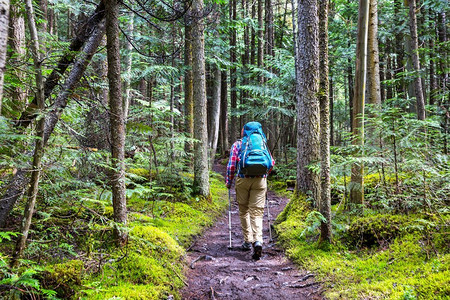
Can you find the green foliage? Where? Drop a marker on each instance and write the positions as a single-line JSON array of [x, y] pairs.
[[404, 245], [23, 281]]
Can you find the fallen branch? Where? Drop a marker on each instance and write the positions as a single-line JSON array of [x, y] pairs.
[[300, 286], [178, 275]]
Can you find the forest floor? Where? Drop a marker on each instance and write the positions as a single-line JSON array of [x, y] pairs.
[[216, 272]]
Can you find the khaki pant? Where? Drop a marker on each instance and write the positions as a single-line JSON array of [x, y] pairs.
[[251, 195]]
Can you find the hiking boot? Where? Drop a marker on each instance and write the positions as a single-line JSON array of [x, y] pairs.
[[257, 250], [246, 246]]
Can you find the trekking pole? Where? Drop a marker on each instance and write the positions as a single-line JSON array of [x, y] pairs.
[[269, 218], [229, 216]]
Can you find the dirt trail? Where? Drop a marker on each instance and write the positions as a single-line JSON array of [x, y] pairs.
[[219, 273]]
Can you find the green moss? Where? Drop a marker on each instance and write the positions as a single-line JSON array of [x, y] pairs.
[[64, 278], [410, 264], [151, 265]]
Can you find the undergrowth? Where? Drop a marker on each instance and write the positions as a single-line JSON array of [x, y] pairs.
[[149, 266], [374, 255]]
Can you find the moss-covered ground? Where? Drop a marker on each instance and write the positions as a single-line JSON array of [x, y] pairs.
[[151, 265], [374, 255], [161, 226]]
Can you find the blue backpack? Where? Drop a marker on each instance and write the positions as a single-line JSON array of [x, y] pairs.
[[254, 157]]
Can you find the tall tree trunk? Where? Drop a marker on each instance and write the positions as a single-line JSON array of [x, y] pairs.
[[357, 178], [201, 172], [223, 132], [39, 146], [117, 173], [260, 55], [351, 90], [325, 196], [373, 58], [16, 43], [399, 41], [415, 60], [332, 143], [43, 6], [4, 22], [215, 116], [128, 65], [233, 75], [245, 60], [188, 88], [253, 36], [433, 81], [18, 183], [388, 72], [270, 52], [308, 139]]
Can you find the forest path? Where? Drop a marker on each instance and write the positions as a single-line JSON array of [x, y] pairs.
[[217, 272]]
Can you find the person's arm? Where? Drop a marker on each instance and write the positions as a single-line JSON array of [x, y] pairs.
[[231, 166]]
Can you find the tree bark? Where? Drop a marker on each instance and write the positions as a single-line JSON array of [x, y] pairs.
[[357, 178], [39, 145], [18, 183], [16, 43], [233, 76], [325, 196], [188, 83], [215, 116], [260, 52], [399, 42], [85, 31], [308, 140], [128, 65], [373, 57], [4, 22], [201, 172], [415, 60], [224, 114], [117, 176]]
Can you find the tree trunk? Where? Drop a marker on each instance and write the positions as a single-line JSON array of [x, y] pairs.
[[4, 23], [373, 57], [39, 145], [128, 64], [253, 36], [415, 60], [43, 6], [399, 42], [325, 196], [16, 42], [86, 30], [308, 140], [233, 75], [351, 91], [223, 113], [215, 116], [357, 180], [18, 183], [260, 54], [188, 88], [433, 81], [201, 172], [117, 174]]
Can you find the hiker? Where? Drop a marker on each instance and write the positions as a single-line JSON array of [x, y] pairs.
[[251, 160]]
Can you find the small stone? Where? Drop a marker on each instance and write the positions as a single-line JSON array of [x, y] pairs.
[[286, 269], [278, 273]]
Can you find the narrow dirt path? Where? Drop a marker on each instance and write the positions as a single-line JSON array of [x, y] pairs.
[[217, 272]]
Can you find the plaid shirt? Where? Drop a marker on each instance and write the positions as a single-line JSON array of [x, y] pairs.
[[233, 163]]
